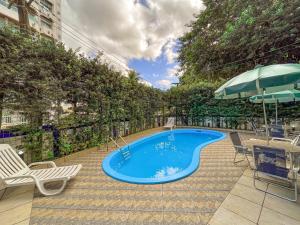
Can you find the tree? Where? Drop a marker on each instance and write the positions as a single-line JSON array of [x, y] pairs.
[[229, 37]]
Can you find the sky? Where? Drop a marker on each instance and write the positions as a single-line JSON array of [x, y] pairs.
[[133, 34]]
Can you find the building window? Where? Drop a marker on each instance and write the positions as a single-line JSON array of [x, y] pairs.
[[22, 119], [46, 5], [6, 119], [46, 22], [32, 18], [6, 3]]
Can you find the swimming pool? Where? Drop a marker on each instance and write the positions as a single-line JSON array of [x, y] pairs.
[[163, 157]]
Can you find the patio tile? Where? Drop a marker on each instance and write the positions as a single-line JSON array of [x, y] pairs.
[[177, 205], [174, 218], [147, 205], [248, 181], [145, 218], [17, 200], [270, 217], [67, 216], [94, 198], [148, 195], [13, 191], [242, 207], [24, 222], [177, 195], [226, 217], [16, 215], [248, 173], [249, 193], [282, 206]]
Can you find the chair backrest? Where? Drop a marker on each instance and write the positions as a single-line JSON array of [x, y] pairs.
[[277, 131], [296, 141], [235, 138], [270, 160], [10, 162], [253, 125], [171, 121]]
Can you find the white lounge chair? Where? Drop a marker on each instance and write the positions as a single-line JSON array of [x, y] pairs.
[[295, 141], [170, 123], [14, 172]]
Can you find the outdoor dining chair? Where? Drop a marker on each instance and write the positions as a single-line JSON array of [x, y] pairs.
[[272, 163], [258, 131], [276, 131], [14, 172], [239, 148]]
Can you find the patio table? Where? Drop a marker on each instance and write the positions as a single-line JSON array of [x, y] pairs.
[[292, 150]]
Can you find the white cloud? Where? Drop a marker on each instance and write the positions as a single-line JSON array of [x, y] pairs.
[[147, 83], [169, 51], [174, 72], [164, 84], [128, 30]]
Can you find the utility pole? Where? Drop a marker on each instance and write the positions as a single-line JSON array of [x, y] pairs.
[[23, 9]]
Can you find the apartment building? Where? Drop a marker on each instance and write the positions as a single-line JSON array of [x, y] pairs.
[[45, 20], [44, 17]]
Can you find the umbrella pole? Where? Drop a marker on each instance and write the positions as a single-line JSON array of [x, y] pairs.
[[276, 118], [265, 118]]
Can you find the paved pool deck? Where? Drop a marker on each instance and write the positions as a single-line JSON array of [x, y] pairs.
[[217, 193]]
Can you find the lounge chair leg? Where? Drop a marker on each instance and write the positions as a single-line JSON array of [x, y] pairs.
[[44, 191], [274, 194]]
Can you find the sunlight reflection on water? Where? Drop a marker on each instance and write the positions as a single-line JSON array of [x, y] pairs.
[[168, 171]]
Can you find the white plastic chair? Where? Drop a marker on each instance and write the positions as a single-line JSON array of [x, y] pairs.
[[14, 172], [294, 141], [170, 123]]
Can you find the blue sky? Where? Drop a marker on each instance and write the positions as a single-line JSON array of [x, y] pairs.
[[157, 72], [137, 34]]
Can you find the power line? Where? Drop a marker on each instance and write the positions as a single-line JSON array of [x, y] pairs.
[[90, 46], [76, 30], [86, 44]]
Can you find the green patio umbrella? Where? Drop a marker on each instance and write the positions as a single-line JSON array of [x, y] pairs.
[[261, 80], [271, 78], [277, 97]]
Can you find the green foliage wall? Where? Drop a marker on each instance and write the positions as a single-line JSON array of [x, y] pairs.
[[229, 37], [37, 76]]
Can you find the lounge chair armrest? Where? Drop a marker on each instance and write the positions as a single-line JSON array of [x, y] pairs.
[[281, 139], [43, 163]]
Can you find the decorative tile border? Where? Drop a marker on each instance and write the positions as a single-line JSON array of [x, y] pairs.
[[94, 198]]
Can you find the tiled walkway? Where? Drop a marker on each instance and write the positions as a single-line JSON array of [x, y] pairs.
[[94, 198], [247, 206]]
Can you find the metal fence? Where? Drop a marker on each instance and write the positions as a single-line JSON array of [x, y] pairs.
[[64, 141]]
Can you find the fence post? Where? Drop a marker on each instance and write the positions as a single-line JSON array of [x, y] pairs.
[[56, 136]]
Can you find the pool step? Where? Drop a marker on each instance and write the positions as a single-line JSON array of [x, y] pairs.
[[125, 152]]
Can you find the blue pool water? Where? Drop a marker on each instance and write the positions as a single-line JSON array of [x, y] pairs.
[[160, 158]]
